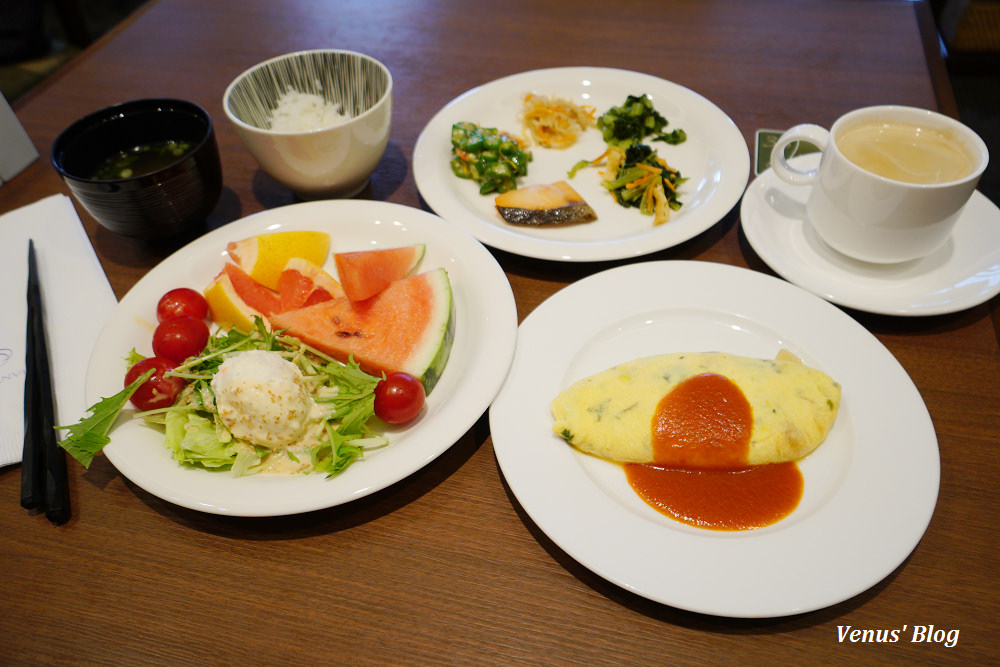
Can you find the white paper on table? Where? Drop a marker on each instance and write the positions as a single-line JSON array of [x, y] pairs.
[[76, 298]]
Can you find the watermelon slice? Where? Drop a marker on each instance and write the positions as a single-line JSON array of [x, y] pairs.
[[365, 273], [409, 327]]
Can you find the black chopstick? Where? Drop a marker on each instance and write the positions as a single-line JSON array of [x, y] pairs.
[[33, 457], [44, 482]]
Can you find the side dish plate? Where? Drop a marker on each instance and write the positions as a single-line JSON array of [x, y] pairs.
[[485, 334], [870, 489], [714, 159]]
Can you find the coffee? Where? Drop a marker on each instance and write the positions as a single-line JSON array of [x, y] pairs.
[[905, 152], [892, 181]]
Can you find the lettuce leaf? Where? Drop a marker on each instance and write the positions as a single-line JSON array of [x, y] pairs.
[[88, 436], [193, 439]]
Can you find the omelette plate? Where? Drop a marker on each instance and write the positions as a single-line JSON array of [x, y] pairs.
[[845, 536]]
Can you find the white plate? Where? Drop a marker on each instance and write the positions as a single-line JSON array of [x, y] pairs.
[[965, 272], [485, 334], [714, 158], [870, 488]]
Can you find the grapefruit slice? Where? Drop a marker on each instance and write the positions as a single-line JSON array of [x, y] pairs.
[[304, 283], [226, 307], [234, 298], [365, 273], [254, 294], [263, 257], [408, 327]]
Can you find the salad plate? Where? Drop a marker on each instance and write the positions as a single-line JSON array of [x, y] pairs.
[[847, 533], [485, 334], [714, 159], [963, 273]]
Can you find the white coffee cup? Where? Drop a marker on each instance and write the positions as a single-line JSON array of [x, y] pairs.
[[892, 216]]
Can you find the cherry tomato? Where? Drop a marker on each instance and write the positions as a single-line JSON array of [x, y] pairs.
[[158, 391], [180, 337], [181, 301], [398, 398]]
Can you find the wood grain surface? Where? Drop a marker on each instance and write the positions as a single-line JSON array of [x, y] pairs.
[[445, 567]]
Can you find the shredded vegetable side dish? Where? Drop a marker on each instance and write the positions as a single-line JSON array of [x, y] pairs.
[[633, 172], [554, 122], [638, 177]]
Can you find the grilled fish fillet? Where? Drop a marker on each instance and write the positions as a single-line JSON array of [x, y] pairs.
[[546, 204]]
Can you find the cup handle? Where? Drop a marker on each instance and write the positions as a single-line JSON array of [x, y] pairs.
[[815, 135]]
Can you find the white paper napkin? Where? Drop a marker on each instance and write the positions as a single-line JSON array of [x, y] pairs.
[[77, 301]]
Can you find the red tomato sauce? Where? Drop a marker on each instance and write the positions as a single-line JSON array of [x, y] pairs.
[[704, 422], [701, 438], [742, 499]]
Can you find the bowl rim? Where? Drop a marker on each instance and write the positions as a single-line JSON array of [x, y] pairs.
[[108, 113], [295, 54]]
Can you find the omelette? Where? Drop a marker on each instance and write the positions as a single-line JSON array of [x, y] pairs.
[[789, 407]]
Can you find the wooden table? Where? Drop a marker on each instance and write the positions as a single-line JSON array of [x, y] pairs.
[[444, 566]]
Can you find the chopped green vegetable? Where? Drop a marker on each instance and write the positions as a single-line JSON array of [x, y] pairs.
[[491, 158], [633, 121], [88, 436], [141, 159], [673, 138], [582, 164]]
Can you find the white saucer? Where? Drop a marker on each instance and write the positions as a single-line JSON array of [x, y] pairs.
[[965, 272]]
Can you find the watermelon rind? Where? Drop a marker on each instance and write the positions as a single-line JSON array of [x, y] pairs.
[[332, 327], [440, 337], [419, 249]]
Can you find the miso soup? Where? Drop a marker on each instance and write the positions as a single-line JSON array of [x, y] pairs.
[[141, 159]]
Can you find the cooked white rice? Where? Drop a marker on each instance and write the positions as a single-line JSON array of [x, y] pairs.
[[301, 112]]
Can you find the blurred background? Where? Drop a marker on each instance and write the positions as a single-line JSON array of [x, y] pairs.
[[37, 37], [970, 40]]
